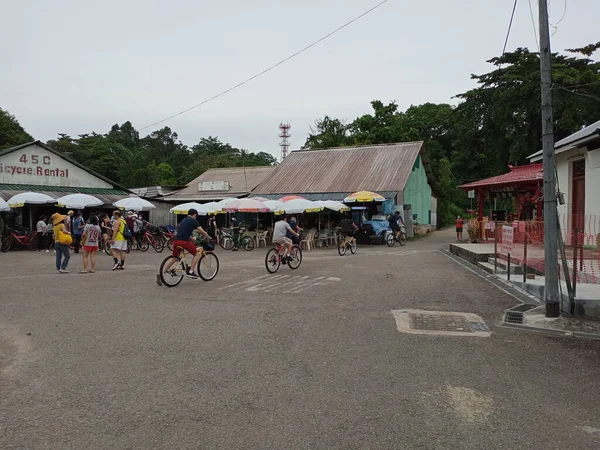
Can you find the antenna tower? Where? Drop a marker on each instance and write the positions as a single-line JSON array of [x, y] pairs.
[[284, 134]]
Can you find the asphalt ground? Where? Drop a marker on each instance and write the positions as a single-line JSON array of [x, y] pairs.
[[304, 359]]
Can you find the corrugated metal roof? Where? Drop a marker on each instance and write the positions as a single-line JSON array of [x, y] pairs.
[[107, 195], [591, 131], [519, 174], [241, 182], [339, 196], [384, 167]]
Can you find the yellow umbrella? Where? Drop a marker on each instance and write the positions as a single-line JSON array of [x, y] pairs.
[[364, 197]]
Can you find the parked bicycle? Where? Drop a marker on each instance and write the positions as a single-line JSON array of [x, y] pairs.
[[346, 244], [274, 258], [400, 238], [150, 237], [208, 266], [18, 239]]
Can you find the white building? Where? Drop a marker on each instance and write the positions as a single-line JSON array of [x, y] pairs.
[[578, 169]]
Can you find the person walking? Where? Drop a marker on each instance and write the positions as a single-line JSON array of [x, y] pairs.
[[235, 228], [78, 225], [118, 242], [90, 238], [62, 240], [459, 228], [40, 236], [69, 221]]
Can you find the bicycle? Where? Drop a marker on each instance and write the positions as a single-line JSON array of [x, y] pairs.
[[245, 242], [168, 236], [274, 258], [400, 238], [346, 244], [226, 239], [149, 238], [24, 239], [208, 267]]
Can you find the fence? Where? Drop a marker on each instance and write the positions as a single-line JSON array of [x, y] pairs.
[[580, 235]]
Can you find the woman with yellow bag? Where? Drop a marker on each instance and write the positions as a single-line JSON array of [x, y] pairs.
[[62, 240]]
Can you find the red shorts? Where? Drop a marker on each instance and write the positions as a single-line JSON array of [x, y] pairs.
[[90, 248], [188, 246]]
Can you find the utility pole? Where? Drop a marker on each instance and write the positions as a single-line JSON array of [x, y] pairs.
[[550, 207]]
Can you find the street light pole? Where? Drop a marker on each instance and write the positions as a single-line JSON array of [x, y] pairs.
[[551, 299]]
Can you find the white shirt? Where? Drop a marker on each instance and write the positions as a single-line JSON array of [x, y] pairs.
[[280, 229], [41, 226]]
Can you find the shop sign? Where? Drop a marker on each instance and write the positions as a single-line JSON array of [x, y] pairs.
[[507, 239], [37, 166], [213, 186]]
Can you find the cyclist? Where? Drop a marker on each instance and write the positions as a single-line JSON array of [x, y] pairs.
[[280, 230], [348, 228], [293, 223], [394, 221], [235, 228], [182, 239]]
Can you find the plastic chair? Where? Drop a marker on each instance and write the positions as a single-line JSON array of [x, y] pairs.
[[262, 237], [309, 242]]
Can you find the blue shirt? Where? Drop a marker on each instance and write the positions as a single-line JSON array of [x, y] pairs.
[[186, 228], [293, 225], [76, 224]]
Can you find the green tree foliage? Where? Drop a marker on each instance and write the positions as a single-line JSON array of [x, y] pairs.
[[496, 123], [122, 156], [11, 131]]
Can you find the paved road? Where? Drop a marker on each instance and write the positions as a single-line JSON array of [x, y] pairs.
[[255, 361]]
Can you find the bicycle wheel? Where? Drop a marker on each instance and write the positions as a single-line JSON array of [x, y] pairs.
[[107, 248], [342, 248], [170, 243], [143, 243], [272, 261], [352, 247], [158, 245], [7, 244], [296, 258], [208, 266], [390, 241], [247, 243], [226, 243], [402, 238], [175, 274]]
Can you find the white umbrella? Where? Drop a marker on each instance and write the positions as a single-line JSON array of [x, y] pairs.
[[78, 201], [274, 205], [31, 198], [223, 203], [246, 205], [215, 207], [333, 205], [134, 204], [183, 208], [3, 205], [299, 206]]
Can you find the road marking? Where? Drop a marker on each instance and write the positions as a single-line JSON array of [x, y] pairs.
[[287, 284]]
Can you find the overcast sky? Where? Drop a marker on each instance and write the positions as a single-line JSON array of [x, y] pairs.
[[72, 66]]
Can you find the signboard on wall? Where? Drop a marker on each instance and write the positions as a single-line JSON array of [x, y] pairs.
[[471, 194], [37, 166], [507, 239], [213, 186]]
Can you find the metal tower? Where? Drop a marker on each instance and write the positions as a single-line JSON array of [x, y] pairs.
[[284, 134]]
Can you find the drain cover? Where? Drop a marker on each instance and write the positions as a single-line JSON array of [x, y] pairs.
[[418, 321], [438, 322]]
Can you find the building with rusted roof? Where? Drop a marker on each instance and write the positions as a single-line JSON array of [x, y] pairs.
[[400, 172], [217, 184]]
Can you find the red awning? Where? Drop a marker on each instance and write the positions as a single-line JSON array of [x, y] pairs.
[[517, 175]]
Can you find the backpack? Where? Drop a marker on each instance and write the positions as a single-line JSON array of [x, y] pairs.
[[126, 231]]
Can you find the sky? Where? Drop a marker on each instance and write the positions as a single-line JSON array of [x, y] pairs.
[[74, 67]]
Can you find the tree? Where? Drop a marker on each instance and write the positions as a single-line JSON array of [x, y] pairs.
[[165, 175], [11, 131], [327, 132]]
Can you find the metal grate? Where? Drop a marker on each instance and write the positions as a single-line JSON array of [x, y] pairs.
[[515, 315], [435, 322]]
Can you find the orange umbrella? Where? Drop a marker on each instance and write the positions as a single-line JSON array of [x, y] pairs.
[[291, 197]]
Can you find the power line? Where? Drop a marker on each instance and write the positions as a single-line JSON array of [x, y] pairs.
[[509, 26], [535, 33], [271, 67]]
